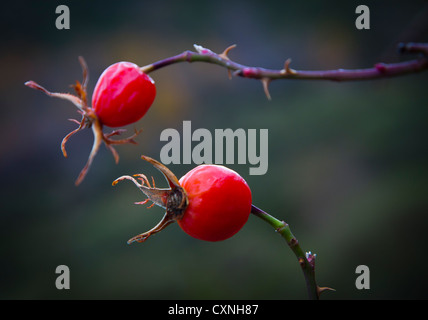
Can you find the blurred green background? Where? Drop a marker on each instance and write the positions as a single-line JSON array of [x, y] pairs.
[[347, 161]]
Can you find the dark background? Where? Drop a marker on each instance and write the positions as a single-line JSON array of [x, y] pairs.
[[347, 161]]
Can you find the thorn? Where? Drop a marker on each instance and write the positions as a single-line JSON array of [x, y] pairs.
[[224, 54], [266, 82], [322, 289], [287, 69]]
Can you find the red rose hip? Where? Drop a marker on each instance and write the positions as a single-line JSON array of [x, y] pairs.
[[123, 94], [210, 202], [219, 203]]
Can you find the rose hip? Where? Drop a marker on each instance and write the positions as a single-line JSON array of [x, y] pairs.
[[210, 202], [122, 96]]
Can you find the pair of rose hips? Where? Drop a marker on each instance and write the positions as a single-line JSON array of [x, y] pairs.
[[210, 202]]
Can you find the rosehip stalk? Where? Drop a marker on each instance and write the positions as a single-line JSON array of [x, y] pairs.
[[178, 202]]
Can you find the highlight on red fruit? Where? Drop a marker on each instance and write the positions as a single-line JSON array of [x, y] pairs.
[[122, 96], [210, 202], [219, 202]]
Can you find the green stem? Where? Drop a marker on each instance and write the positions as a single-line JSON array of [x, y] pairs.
[[306, 260]]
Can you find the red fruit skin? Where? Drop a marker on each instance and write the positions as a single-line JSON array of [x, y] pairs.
[[219, 203], [123, 94]]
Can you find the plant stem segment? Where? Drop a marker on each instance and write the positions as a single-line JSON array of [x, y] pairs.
[[379, 70], [306, 260], [89, 120]]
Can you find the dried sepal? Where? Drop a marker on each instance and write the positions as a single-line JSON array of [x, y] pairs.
[[82, 125], [173, 199], [166, 220], [66, 96]]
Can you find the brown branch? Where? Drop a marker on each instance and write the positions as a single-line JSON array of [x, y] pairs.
[[379, 70]]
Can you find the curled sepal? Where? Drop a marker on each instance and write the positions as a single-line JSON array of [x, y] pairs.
[[156, 195], [170, 177], [66, 96], [173, 199], [166, 220]]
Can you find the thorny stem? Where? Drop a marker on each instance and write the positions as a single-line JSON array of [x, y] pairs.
[[379, 70], [306, 260]]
